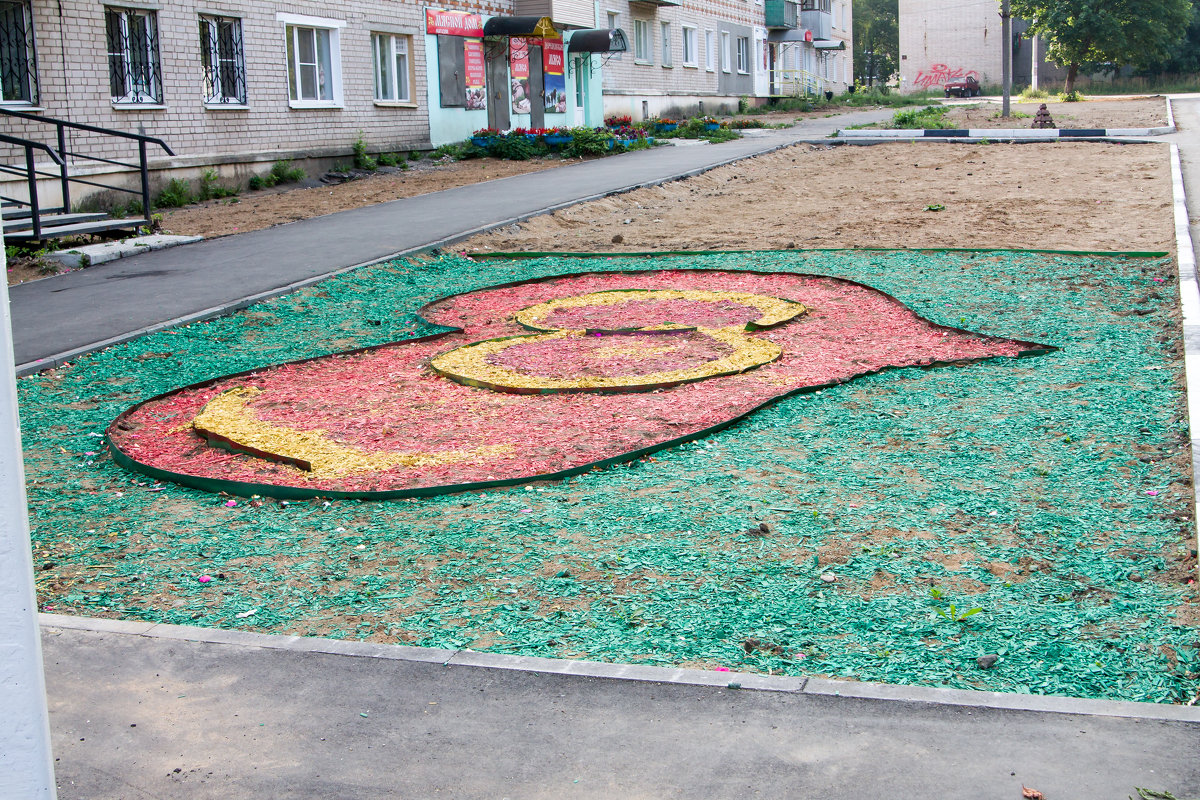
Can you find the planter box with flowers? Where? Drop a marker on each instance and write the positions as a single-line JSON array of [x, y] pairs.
[[484, 137], [557, 137], [666, 125]]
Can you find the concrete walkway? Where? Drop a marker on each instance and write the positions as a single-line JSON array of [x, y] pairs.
[[56, 318], [147, 717], [140, 711]]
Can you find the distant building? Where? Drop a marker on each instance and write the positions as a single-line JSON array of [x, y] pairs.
[[940, 42]]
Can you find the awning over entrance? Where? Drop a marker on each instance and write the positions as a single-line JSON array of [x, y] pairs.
[[520, 26], [829, 44], [598, 40], [789, 35]]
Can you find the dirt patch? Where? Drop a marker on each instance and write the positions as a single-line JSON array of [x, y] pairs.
[[1140, 113], [264, 209], [1037, 196]]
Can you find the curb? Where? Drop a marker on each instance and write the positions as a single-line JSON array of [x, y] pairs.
[[1035, 134], [59, 359], [746, 681], [1189, 302]]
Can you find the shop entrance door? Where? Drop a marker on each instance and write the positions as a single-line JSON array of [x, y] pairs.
[[579, 64], [537, 89], [497, 87]]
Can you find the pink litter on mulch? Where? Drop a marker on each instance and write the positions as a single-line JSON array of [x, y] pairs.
[[387, 400]]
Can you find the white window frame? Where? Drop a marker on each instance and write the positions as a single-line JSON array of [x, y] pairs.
[[710, 51], [29, 53], [388, 82], [643, 50], [292, 24], [689, 39], [614, 19], [743, 55], [217, 66], [137, 95], [726, 59], [667, 59]]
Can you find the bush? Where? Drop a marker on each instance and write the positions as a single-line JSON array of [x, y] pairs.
[[517, 147], [588, 142], [1029, 93], [392, 160], [1069, 97], [923, 118], [741, 124], [176, 194], [361, 159], [211, 188]]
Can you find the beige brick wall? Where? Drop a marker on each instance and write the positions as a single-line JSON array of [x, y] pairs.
[[75, 84]]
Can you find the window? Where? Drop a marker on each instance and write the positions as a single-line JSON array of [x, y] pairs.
[[710, 51], [314, 61], [392, 76], [743, 54], [133, 71], [666, 44], [724, 51], [18, 59], [641, 41], [614, 20], [221, 55], [689, 47]]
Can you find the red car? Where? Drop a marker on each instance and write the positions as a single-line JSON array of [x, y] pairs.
[[963, 87]]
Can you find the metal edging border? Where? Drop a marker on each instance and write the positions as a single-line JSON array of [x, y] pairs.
[[246, 489]]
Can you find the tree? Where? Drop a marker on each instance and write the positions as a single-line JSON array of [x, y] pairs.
[[1085, 34], [1184, 57], [876, 40]]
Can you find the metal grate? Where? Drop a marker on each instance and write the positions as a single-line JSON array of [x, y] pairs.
[[224, 65], [134, 74], [18, 60]]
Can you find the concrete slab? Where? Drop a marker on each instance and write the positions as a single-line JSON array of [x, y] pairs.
[[134, 716], [93, 254]]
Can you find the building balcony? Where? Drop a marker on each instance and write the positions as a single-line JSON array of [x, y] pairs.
[[781, 13], [815, 20]]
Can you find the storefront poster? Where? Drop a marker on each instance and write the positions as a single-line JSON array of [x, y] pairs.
[[453, 23], [476, 75], [518, 64], [555, 82]]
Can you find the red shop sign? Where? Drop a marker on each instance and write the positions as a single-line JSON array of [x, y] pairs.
[[453, 23]]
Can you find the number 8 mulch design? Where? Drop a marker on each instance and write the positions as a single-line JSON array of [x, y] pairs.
[[538, 380]]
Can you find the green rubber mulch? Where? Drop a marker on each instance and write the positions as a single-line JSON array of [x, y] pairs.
[[1053, 493]]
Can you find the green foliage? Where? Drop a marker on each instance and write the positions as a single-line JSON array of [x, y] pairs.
[[392, 160], [1184, 57], [361, 159], [1029, 93], [929, 117], [876, 41], [457, 151], [281, 172], [211, 186], [1069, 97], [517, 147], [587, 142], [1088, 34], [176, 194]]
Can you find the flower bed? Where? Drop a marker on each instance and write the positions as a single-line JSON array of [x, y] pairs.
[[381, 422]]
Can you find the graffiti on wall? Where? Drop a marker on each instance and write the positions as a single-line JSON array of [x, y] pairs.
[[941, 74]]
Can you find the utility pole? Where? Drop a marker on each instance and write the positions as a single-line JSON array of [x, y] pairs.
[[26, 768], [1005, 56]]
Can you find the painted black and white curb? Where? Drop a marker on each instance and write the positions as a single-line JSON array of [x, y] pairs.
[[1004, 134]]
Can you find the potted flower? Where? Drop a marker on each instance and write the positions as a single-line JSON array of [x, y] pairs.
[[484, 137], [618, 121], [710, 123], [666, 124], [556, 137]]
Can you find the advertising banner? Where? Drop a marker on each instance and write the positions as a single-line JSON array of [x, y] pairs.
[[518, 65], [476, 73], [554, 80], [453, 23]]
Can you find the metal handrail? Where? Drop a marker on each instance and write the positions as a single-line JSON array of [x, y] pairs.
[[59, 158]]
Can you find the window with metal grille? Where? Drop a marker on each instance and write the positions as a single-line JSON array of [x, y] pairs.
[[134, 75], [310, 64], [18, 59], [392, 78], [224, 64]]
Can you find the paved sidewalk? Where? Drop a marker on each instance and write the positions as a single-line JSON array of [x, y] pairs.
[[72, 312], [139, 717]]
